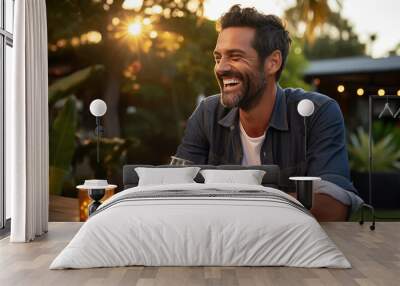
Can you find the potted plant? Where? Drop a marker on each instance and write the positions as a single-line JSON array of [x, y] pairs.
[[385, 165]]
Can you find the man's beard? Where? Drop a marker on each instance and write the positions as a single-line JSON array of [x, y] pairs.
[[249, 95]]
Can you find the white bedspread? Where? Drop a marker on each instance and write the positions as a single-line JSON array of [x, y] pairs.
[[183, 231]]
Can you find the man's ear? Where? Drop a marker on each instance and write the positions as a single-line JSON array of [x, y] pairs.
[[273, 63]]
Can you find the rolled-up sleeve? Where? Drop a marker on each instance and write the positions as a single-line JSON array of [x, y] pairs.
[[195, 145], [326, 150]]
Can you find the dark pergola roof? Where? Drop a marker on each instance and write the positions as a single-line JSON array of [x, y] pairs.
[[352, 65]]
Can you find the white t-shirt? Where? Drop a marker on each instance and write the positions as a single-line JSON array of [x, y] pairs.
[[251, 148]]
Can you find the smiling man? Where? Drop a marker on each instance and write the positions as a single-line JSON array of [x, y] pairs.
[[254, 121]]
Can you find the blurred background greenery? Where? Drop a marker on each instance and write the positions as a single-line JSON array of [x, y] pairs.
[[151, 62]]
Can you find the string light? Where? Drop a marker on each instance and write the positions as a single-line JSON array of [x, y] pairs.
[[94, 37], [381, 92], [84, 39], [398, 92], [360, 92], [340, 88], [75, 41], [61, 43]]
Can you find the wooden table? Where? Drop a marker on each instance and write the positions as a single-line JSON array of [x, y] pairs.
[[374, 255]]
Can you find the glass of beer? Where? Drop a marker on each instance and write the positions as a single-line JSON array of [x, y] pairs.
[[176, 161], [304, 190]]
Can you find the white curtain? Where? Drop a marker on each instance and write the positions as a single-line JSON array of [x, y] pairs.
[[27, 124]]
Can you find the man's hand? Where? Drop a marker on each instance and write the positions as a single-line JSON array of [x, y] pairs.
[[326, 208]]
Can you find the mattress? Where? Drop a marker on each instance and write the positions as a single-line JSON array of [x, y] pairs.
[[201, 225]]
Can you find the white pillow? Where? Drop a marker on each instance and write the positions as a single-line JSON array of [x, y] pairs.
[[248, 177], [163, 176]]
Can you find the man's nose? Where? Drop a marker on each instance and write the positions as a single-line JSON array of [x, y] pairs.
[[222, 67]]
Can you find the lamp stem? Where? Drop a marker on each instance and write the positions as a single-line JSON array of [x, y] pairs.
[[305, 140], [370, 150], [98, 137]]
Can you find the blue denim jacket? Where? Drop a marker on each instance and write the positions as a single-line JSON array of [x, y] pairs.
[[212, 136]]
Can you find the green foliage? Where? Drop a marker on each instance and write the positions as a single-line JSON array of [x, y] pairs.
[[169, 87], [194, 61], [64, 126], [336, 40], [296, 64], [380, 129], [311, 13], [69, 84], [113, 152], [327, 33], [385, 151], [326, 48], [62, 144]]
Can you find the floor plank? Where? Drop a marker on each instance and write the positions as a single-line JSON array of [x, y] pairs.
[[375, 257]]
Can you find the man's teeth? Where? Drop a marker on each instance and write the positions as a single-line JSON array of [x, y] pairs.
[[230, 81]]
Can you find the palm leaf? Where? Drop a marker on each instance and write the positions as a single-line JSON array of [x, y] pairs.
[[62, 144], [67, 85]]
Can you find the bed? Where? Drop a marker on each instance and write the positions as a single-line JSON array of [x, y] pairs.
[[201, 224]]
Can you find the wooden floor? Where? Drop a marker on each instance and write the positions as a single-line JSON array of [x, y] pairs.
[[375, 256]]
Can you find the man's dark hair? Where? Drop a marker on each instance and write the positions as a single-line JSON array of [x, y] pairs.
[[270, 33]]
